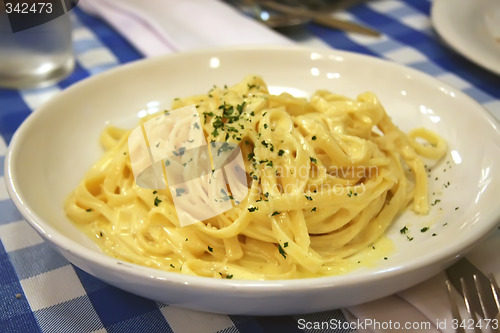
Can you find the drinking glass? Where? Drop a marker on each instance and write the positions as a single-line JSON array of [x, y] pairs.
[[34, 57]]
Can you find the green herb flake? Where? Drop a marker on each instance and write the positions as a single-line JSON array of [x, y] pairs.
[[281, 152], [285, 244], [211, 249], [252, 209], [314, 137], [172, 266], [89, 210], [229, 276], [435, 202], [275, 213], [157, 201], [403, 230], [314, 209], [179, 191], [313, 160], [308, 197], [282, 252], [424, 229]]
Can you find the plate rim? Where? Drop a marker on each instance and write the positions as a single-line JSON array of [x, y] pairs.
[[438, 9]]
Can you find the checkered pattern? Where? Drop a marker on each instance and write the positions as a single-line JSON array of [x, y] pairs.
[[41, 292]]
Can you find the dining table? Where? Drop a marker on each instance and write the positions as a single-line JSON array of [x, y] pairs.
[[40, 291]]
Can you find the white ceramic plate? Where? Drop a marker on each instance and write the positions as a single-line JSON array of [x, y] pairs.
[[54, 147], [472, 28]]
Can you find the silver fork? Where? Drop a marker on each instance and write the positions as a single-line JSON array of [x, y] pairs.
[[485, 318]]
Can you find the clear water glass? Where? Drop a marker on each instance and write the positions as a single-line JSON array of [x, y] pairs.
[[35, 57]]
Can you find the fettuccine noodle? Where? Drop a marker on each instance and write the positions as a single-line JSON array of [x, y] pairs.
[[327, 177]]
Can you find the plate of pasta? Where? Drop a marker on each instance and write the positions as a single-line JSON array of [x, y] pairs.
[[259, 181]]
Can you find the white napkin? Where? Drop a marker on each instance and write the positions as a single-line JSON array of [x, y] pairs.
[[425, 308], [157, 27]]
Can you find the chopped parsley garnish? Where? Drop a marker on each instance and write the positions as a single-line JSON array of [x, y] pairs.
[[179, 191], [424, 229], [313, 210], [172, 266], [281, 152], [285, 244], [230, 276], [409, 238], [250, 156], [314, 137], [403, 230], [211, 249], [224, 147], [308, 197], [313, 160], [240, 107], [155, 191], [252, 209], [282, 252], [180, 151], [275, 213], [89, 210], [157, 201]]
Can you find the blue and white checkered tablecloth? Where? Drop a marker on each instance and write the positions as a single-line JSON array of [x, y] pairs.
[[41, 292]]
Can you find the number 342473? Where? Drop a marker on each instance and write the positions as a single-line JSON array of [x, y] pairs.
[[28, 8]]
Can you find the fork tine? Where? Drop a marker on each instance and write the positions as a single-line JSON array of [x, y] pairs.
[[495, 290], [480, 294], [454, 308], [467, 297]]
